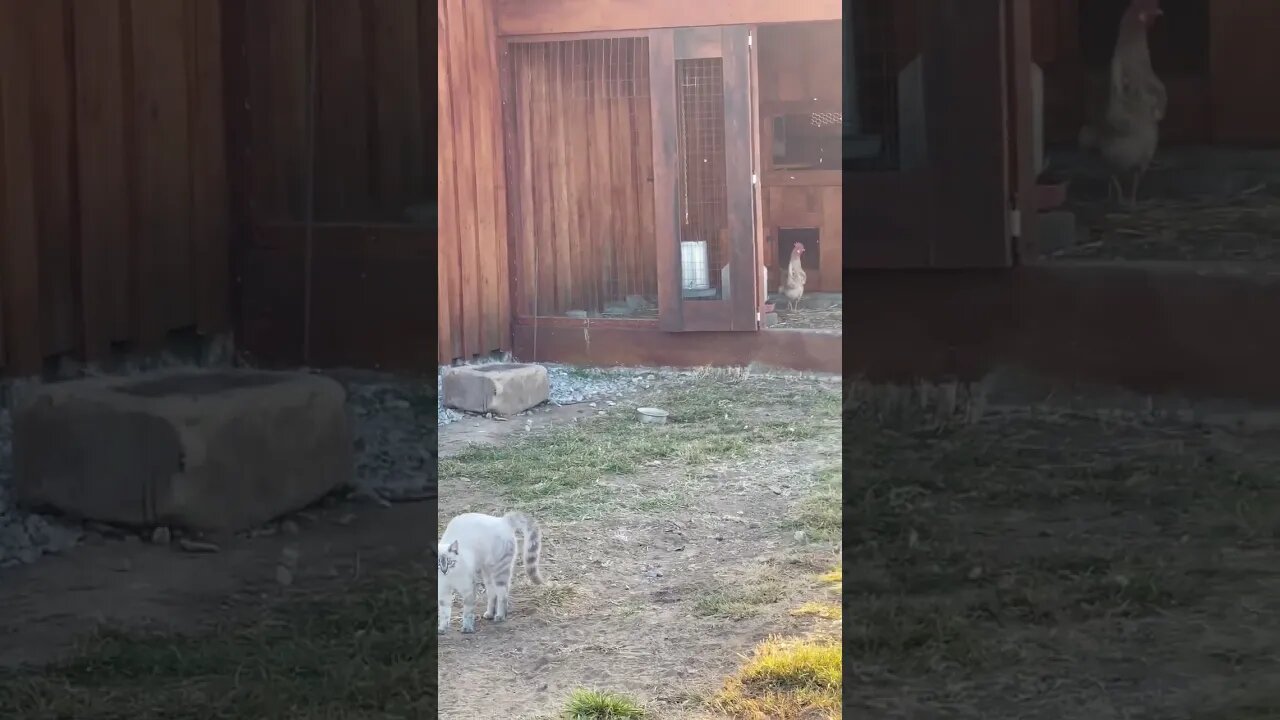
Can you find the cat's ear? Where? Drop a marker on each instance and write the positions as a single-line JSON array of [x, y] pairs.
[[454, 547]]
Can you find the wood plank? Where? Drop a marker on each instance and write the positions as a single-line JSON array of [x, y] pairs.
[[502, 286], [1239, 29], [543, 242], [19, 249], [103, 190], [163, 273], [638, 344], [758, 292], [642, 162], [52, 131], [522, 211], [342, 172], [485, 157], [610, 169], [562, 255], [472, 303], [662, 93], [450, 331], [831, 240], [1021, 133], [739, 191], [541, 17], [401, 177], [965, 93], [210, 221], [277, 46], [240, 144]]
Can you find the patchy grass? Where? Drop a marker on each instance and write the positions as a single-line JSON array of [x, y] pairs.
[[1104, 554], [597, 705], [826, 611], [363, 651], [739, 602], [786, 679], [819, 512], [713, 417], [833, 578]]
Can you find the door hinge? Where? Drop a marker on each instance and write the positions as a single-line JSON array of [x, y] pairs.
[[1015, 223], [749, 39], [758, 319], [753, 178]]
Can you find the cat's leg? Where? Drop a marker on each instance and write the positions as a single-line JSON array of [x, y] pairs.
[[502, 585], [444, 610], [469, 609], [490, 595]]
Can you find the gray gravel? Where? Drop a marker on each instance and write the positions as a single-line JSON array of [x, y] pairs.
[[24, 536], [572, 385], [395, 441]]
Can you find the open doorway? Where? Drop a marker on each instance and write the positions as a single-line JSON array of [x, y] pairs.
[[1211, 190], [801, 95]]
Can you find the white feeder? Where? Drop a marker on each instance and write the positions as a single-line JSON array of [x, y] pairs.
[[694, 267]]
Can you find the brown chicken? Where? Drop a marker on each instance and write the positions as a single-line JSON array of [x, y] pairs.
[[1126, 130], [792, 287]]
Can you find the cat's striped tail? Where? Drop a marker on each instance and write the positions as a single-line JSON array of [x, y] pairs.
[[532, 543]]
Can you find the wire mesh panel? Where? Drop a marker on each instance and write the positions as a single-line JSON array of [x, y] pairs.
[[582, 179], [700, 131]]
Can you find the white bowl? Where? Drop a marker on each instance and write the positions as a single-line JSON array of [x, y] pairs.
[[657, 416]]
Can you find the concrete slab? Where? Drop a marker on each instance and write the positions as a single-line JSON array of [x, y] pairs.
[[206, 449], [502, 388]]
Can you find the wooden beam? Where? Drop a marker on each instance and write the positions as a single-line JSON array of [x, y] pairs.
[[543, 17]]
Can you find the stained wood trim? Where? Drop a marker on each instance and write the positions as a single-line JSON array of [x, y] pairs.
[[19, 250], [666, 206], [542, 17], [739, 192]]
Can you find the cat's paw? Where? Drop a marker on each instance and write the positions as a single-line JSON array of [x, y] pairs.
[[499, 618], [487, 615], [469, 624], [442, 629]]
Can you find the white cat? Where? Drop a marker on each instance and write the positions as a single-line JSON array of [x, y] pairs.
[[477, 547]]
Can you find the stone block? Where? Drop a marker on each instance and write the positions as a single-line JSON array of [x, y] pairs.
[[203, 449], [505, 389]]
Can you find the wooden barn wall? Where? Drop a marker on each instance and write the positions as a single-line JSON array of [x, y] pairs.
[[582, 203], [114, 217], [801, 69], [373, 110], [1219, 101], [352, 145], [474, 276]]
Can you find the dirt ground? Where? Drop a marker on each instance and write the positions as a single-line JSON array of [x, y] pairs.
[[660, 583], [47, 608], [1055, 565]]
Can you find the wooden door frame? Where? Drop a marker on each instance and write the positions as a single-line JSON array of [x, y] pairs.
[[731, 43], [954, 213]]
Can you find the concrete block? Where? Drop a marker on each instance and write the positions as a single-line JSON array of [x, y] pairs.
[[204, 449], [505, 389]]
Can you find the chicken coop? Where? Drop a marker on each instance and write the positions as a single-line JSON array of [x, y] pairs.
[[980, 236], [662, 163]]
